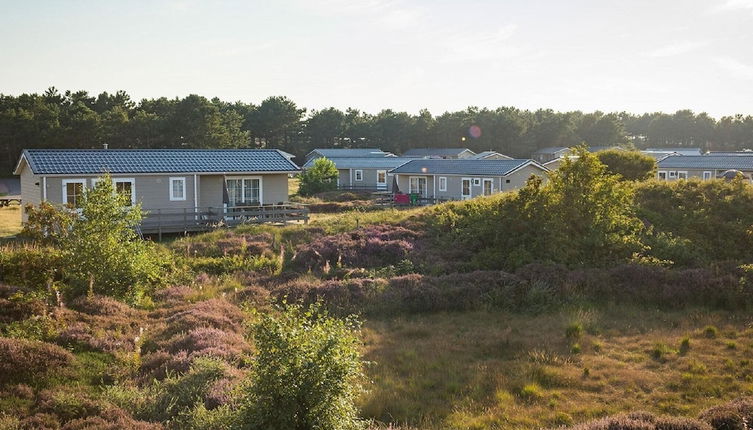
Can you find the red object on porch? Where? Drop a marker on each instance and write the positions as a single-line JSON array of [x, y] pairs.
[[402, 199]]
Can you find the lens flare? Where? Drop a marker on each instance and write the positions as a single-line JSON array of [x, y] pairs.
[[474, 131]]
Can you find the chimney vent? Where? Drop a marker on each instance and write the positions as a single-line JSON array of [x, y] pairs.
[[104, 146]]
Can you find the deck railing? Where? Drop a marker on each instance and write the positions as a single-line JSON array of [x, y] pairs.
[[185, 220]]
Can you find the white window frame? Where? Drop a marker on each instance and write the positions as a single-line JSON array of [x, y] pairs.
[[358, 174], [72, 181], [682, 172], [470, 188], [418, 181], [173, 197], [132, 181], [443, 183], [672, 174], [243, 191], [381, 184], [659, 175], [484, 182], [708, 175], [476, 182]]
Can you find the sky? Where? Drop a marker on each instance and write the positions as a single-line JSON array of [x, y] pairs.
[[637, 55]]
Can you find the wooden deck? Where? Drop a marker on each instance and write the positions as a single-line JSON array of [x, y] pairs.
[[159, 221], [7, 200]]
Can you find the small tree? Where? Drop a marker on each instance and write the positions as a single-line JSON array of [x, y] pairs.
[[103, 251], [47, 223], [631, 165], [307, 371], [321, 176]]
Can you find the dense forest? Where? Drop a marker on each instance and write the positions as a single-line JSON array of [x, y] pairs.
[[80, 120]]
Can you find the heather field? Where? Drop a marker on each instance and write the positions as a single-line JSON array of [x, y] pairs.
[[625, 309]]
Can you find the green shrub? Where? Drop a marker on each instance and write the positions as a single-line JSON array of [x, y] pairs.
[[530, 392], [307, 371], [574, 331], [711, 332], [34, 267], [684, 345], [660, 351], [320, 177], [103, 253]]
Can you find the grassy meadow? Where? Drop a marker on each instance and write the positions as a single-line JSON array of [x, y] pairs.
[[480, 370], [10, 221]]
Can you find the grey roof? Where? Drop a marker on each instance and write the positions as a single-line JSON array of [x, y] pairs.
[[551, 150], [464, 167], [349, 152], [98, 161], [711, 162], [681, 151], [438, 152], [364, 162], [484, 154], [733, 153]]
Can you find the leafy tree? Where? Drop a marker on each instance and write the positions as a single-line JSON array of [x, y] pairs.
[[631, 165], [306, 373], [47, 223], [102, 250], [321, 176]]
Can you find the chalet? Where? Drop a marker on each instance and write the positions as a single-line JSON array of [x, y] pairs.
[[550, 153], [463, 179], [702, 166], [490, 155], [364, 173], [177, 180], [439, 153]]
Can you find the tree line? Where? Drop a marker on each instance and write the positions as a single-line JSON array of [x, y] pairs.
[[80, 120]]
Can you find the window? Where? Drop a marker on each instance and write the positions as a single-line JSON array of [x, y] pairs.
[[381, 178], [417, 185], [243, 191], [73, 190], [476, 182], [442, 183], [707, 175], [662, 175], [672, 174], [682, 175], [465, 188], [177, 189], [488, 186], [126, 187], [359, 175]]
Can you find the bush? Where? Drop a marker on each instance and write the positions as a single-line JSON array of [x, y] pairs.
[[24, 360], [33, 267], [642, 421], [306, 373], [102, 252], [234, 263], [630, 165], [47, 223], [321, 176], [735, 415], [371, 246]]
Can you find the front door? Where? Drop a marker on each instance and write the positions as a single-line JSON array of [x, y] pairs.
[[488, 186], [417, 185], [465, 188]]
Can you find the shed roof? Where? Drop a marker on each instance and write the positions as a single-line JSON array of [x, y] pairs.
[[364, 162], [465, 167], [679, 150], [711, 162], [118, 161], [552, 150], [485, 154]]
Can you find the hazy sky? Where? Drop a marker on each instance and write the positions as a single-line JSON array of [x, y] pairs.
[[635, 55]]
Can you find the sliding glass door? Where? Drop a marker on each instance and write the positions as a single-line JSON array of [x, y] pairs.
[[243, 191]]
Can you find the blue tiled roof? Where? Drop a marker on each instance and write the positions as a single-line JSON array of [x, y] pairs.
[[364, 162], [73, 161], [463, 167], [711, 162], [439, 152], [679, 150]]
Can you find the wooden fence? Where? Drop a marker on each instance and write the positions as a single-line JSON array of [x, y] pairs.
[[159, 221]]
